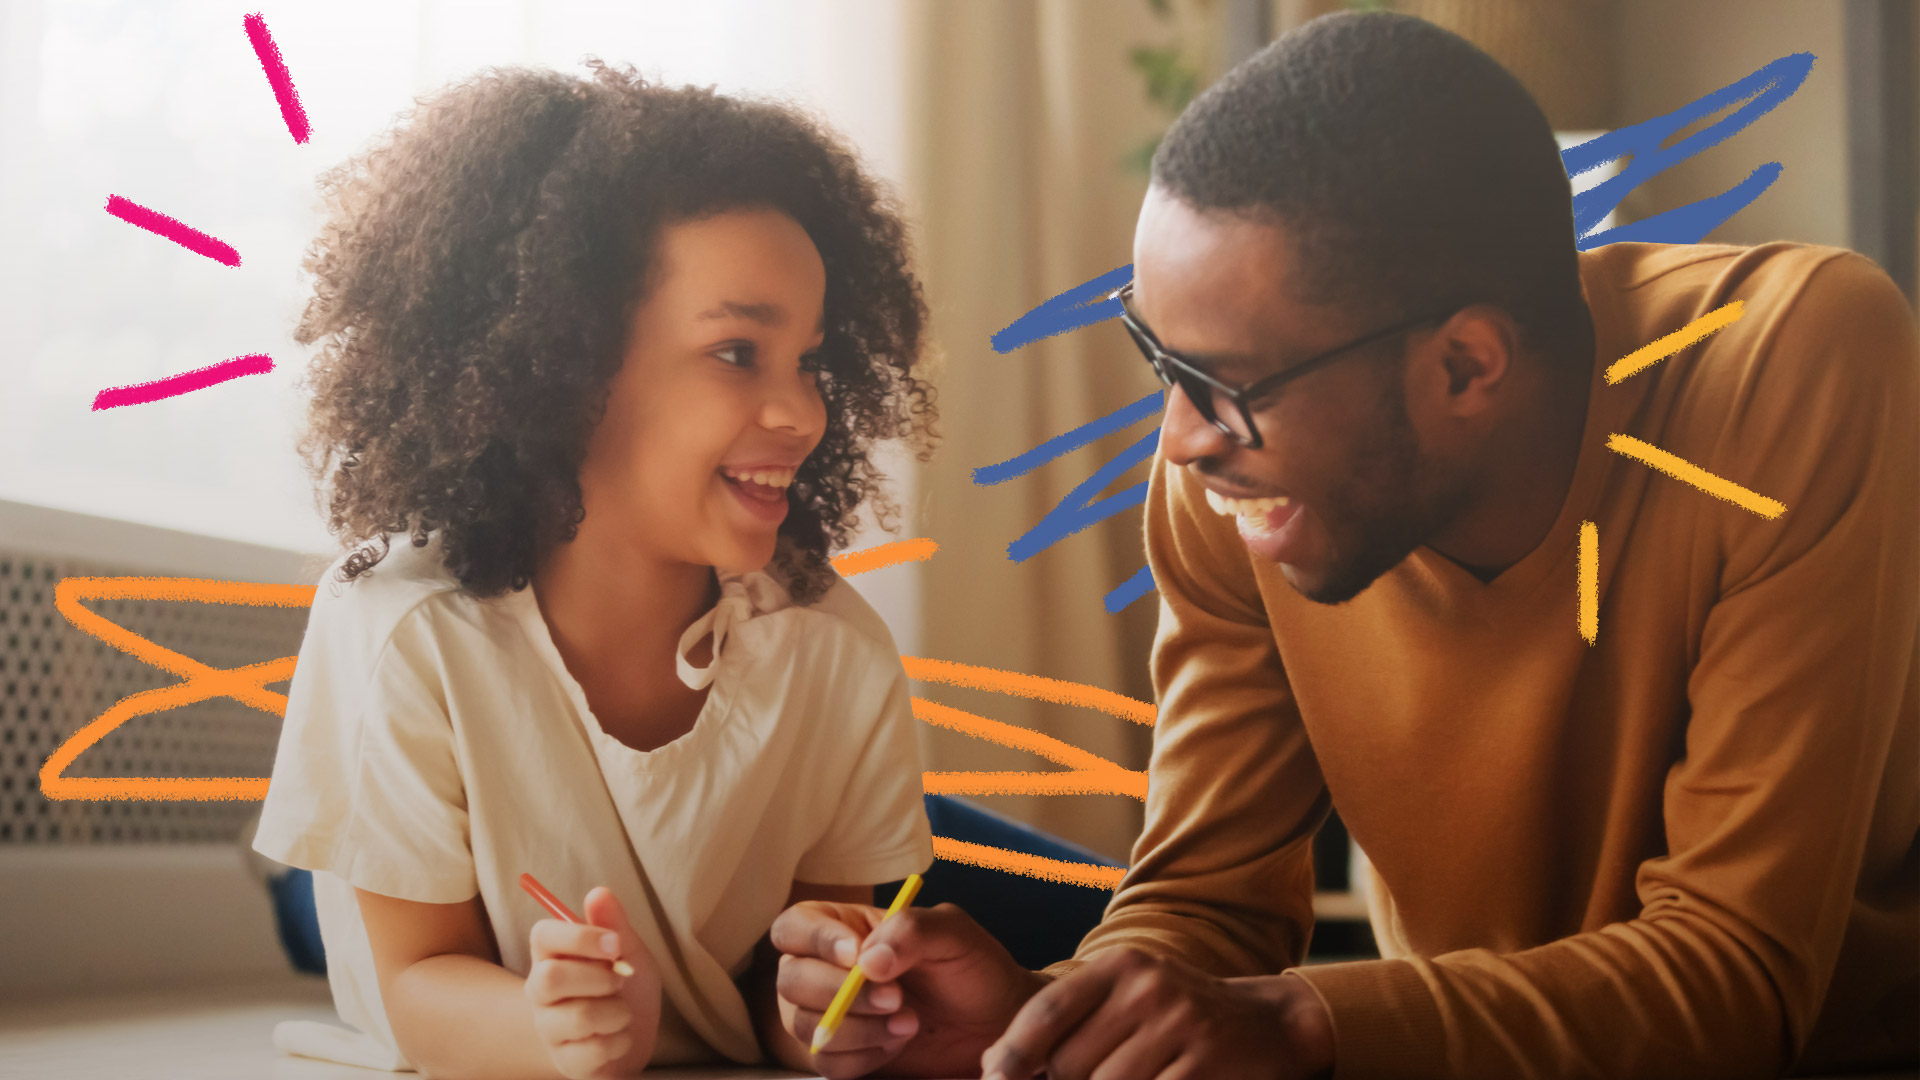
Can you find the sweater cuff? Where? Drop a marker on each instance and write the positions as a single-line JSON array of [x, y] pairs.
[[1385, 1021]]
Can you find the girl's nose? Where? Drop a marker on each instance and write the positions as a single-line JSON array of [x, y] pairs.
[[793, 404]]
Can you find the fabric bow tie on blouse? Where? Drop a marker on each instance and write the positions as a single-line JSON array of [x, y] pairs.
[[742, 596]]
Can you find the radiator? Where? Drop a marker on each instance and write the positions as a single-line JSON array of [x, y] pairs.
[[113, 894]]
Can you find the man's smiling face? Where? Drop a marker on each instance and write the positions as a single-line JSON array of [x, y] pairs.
[[1339, 446]]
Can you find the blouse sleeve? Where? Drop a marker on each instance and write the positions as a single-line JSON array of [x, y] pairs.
[[879, 832], [367, 782]]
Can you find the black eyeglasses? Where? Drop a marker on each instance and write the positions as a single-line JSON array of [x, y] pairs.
[[1210, 396]]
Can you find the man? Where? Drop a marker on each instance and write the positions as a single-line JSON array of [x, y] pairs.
[[1685, 849]]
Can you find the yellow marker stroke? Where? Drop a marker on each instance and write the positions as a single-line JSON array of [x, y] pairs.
[[1686, 471], [1589, 581], [1653, 352]]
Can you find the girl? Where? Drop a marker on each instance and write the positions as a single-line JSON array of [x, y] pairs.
[[607, 359]]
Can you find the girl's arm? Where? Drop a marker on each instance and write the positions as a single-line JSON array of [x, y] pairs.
[[761, 980], [456, 1013]]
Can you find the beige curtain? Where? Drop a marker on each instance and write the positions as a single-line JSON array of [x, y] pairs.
[[1021, 114], [1562, 51]]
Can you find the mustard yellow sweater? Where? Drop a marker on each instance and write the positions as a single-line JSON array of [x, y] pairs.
[[1688, 850]]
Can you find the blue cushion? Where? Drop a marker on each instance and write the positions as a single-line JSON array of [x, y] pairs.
[[1038, 921], [299, 926]]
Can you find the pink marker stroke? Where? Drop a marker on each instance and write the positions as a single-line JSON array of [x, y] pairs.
[[277, 75], [184, 383], [175, 230]]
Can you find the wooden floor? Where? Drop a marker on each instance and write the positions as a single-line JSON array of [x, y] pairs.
[[210, 1034], [218, 1034]]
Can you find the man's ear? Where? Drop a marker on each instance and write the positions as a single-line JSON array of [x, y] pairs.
[[1474, 353]]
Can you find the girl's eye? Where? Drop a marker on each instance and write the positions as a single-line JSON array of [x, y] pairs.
[[739, 354]]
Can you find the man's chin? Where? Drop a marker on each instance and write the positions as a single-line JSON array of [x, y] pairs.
[[1331, 585]]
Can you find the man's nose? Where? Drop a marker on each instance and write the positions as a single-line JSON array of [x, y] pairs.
[[1185, 435]]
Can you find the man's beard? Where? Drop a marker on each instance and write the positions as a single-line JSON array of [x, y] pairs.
[[1377, 518]]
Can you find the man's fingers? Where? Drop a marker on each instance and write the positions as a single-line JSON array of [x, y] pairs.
[[814, 928], [1142, 1056], [556, 938], [1046, 1019]]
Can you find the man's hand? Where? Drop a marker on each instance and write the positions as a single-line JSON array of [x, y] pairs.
[[595, 1023], [1132, 1015], [939, 988]]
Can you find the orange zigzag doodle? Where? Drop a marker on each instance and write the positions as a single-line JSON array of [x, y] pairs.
[[245, 684], [1086, 773]]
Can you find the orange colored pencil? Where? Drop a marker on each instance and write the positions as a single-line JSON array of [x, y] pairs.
[[560, 911]]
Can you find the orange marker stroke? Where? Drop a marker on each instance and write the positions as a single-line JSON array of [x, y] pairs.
[[1090, 875], [1655, 351], [1087, 773], [880, 556], [1037, 687], [247, 684], [1589, 581], [1687, 472]]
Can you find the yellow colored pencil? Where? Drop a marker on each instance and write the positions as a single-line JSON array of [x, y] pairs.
[[850, 989]]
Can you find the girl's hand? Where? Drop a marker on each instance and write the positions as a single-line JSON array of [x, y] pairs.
[[596, 1024], [940, 989]]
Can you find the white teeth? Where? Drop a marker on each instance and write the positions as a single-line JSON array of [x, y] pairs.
[[769, 478], [1248, 508]]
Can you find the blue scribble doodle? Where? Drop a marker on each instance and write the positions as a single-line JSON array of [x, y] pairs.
[[1135, 587], [1644, 147], [1082, 305], [1061, 445], [1079, 510]]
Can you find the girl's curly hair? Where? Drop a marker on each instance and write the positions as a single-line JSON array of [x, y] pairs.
[[476, 278]]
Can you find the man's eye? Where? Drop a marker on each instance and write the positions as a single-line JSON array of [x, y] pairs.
[[739, 354]]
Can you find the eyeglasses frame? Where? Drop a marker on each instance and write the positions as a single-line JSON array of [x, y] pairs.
[[1162, 358]]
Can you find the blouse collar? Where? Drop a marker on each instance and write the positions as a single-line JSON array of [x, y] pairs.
[[742, 596]]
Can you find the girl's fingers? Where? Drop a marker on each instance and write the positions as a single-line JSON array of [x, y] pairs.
[[582, 1018], [555, 937], [553, 981], [835, 1065], [815, 928], [858, 1033], [811, 984], [588, 1057]]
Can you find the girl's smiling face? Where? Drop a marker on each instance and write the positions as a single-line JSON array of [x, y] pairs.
[[711, 412]]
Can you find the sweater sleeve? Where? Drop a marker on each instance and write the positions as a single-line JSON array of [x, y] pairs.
[[1222, 875], [1795, 698]]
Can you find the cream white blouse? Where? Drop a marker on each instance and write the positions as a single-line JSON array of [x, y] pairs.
[[435, 747]]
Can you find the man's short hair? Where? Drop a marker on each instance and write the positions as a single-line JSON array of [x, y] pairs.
[[1410, 170]]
